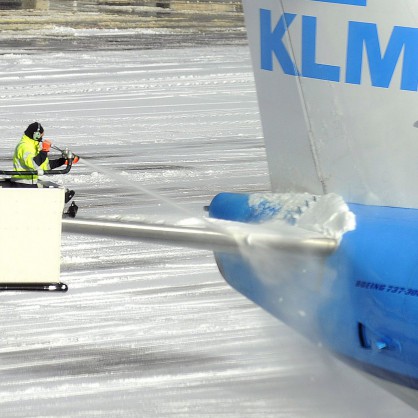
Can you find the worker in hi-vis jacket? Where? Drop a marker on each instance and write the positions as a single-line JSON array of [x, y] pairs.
[[31, 154]]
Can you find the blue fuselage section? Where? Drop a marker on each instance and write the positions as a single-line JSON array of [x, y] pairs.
[[361, 302]]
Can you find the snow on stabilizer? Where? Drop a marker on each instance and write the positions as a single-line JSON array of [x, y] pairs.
[[328, 215]]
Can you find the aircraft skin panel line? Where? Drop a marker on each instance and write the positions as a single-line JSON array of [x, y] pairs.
[[305, 111]]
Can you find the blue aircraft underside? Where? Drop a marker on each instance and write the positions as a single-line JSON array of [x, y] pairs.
[[361, 302]]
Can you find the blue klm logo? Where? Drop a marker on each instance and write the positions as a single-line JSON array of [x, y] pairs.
[[363, 40]]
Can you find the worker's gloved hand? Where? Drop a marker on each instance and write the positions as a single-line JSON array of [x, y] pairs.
[[46, 145]]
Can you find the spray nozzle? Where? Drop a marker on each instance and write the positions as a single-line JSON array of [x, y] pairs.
[[67, 154]]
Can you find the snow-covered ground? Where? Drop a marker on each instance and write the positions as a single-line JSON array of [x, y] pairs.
[[148, 330]]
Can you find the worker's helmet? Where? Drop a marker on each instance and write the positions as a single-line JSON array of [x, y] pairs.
[[35, 131]]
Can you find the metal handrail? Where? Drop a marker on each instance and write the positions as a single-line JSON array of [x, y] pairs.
[[36, 173]]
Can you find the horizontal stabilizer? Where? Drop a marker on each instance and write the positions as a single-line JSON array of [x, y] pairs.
[[216, 238]]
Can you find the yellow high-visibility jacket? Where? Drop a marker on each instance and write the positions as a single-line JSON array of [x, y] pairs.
[[27, 157]]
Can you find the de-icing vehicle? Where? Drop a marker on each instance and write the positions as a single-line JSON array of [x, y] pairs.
[[333, 250]]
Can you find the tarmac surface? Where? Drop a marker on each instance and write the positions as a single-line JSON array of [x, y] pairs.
[[123, 25]]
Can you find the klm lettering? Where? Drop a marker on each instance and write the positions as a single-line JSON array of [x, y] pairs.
[[363, 43]]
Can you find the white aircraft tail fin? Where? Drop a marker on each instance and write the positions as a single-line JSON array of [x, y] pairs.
[[337, 86]]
